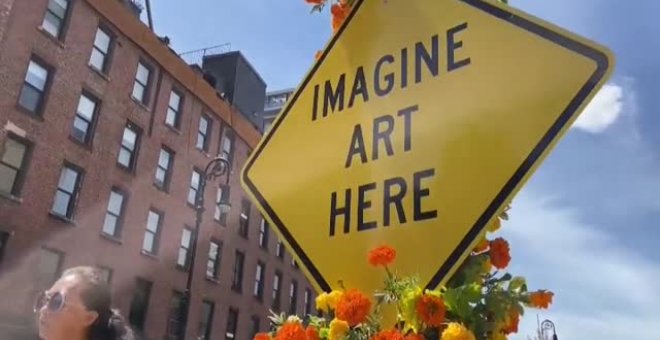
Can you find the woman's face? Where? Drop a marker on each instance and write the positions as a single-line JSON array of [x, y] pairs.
[[72, 319]]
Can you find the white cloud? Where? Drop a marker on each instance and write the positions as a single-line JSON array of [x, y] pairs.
[[603, 290], [603, 110]]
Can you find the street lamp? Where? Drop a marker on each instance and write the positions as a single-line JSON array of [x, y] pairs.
[[217, 167], [548, 325]]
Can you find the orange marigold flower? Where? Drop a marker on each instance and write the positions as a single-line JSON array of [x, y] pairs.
[[339, 13], [315, 2], [431, 310], [499, 253], [318, 54], [262, 336], [541, 299], [512, 324], [382, 256], [312, 333], [413, 336], [353, 307], [291, 331], [481, 246], [392, 334]]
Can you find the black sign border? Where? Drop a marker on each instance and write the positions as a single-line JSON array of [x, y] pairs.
[[602, 61]]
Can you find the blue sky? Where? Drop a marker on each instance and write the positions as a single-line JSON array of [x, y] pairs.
[[586, 225]]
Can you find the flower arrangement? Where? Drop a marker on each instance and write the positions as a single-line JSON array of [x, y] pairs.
[[479, 302]]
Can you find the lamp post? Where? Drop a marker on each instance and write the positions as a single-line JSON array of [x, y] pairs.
[[215, 168], [547, 326]]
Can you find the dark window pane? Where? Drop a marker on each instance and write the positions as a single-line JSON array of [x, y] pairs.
[[140, 304], [30, 98]]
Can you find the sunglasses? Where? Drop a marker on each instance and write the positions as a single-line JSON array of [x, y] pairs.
[[53, 302]]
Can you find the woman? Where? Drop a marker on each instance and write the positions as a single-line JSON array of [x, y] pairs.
[[77, 307]]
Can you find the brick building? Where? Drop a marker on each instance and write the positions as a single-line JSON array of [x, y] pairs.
[[103, 132]]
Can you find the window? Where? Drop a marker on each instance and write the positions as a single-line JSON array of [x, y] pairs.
[[83, 123], [105, 273], [293, 298], [141, 84], [13, 165], [277, 287], [227, 144], [221, 196], [195, 180], [263, 234], [183, 258], [294, 263], [258, 290], [203, 133], [4, 239], [67, 192], [255, 325], [244, 223], [128, 150], [237, 281], [308, 302], [279, 249], [173, 116], [232, 323], [213, 263], [176, 317], [114, 213], [151, 235], [55, 17], [33, 92], [49, 267], [101, 50], [206, 320], [139, 304], [164, 168]]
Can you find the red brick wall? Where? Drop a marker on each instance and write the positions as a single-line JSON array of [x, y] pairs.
[[31, 225]]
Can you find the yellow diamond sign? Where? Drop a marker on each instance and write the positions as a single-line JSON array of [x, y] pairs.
[[421, 119]]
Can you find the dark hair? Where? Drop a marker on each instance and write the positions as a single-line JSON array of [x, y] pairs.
[[95, 294]]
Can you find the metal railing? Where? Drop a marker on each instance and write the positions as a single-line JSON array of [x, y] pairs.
[[197, 56]]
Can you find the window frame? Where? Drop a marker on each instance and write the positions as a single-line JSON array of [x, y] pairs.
[[59, 267], [276, 295], [165, 185], [178, 111], [279, 249], [259, 280], [228, 132], [73, 196], [146, 91], [21, 173], [256, 325], [207, 323], [264, 234], [207, 134], [44, 93], [190, 186], [223, 189], [107, 60], [140, 327], [244, 219], [136, 150], [105, 269], [122, 213], [307, 301], [91, 125], [232, 323], [156, 235], [216, 261], [64, 21], [171, 332], [238, 271], [4, 242], [293, 297], [186, 266]]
